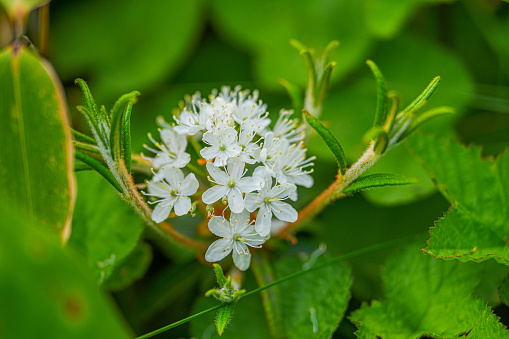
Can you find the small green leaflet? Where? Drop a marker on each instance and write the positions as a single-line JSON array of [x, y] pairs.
[[381, 94], [378, 180], [428, 296], [329, 139], [476, 226], [223, 317]]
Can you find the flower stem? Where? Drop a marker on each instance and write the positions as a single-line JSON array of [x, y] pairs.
[[335, 190]]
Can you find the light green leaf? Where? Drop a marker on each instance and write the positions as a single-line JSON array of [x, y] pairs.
[[155, 39], [314, 23], [381, 94], [378, 180], [132, 268], [476, 227], [427, 296], [46, 290], [223, 317], [313, 304], [329, 139], [36, 157], [105, 229], [385, 18]]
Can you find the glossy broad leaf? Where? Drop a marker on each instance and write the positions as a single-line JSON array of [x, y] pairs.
[[46, 291], [124, 45], [105, 229], [427, 296], [476, 226], [378, 180], [263, 27], [313, 305], [36, 157]]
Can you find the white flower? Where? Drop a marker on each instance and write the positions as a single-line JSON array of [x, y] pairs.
[[230, 184], [291, 166], [190, 122], [248, 147], [286, 128], [174, 191], [236, 235], [171, 152], [269, 200], [223, 145]]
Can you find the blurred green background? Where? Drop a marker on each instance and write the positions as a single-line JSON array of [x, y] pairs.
[[166, 49]]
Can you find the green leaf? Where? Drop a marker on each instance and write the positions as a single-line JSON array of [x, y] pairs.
[[430, 297], [46, 290], [220, 278], [381, 94], [504, 291], [295, 93], [132, 268], [100, 168], [476, 226], [425, 117], [313, 305], [36, 141], [105, 228], [155, 38], [329, 139], [378, 180], [223, 317], [314, 23]]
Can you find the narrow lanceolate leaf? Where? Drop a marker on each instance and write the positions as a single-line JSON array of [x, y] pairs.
[[329, 139], [120, 109], [221, 279], [126, 136], [313, 305], [428, 297], [99, 167], [378, 180], [423, 97], [425, 117], [46, 290], [36, 157], [223, 317], [476, 227], [381, 94]]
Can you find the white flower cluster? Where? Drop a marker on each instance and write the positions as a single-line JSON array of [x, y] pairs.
[[250, 167]]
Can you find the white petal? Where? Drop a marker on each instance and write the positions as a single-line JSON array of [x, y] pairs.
[[282, 191], [161, 212], [209, 153], [235, 200], [180, 129], [249, 184], [284, 211], [189, 185], [214, 193], [235, 169], [229, 136], [242, 260], [174, 176], [303, 180], [158, 189], [210, 138], [182, 206], [218, 250], [263, 221], [217, 174], [253, 201], [221, 159], [239, 222], [220, 226], [233, 150]]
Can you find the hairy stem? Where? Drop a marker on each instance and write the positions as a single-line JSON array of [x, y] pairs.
[[335, 190]]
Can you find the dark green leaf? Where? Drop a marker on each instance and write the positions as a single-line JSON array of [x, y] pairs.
[[427, 296], [36, 158], [378, 180], [104, 227], [381, 94], [329, 139], [126, 137], [313, 305], [82, 137], [132, 268], [476, 226], [46, 290], [121, 108], [223, 317]]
